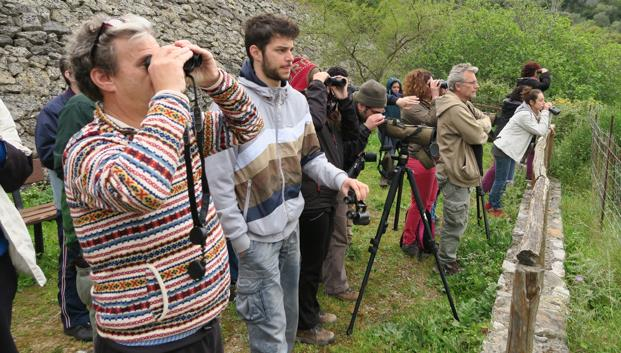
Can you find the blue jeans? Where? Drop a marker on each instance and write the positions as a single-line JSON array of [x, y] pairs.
[[267, 293], [504, 166]]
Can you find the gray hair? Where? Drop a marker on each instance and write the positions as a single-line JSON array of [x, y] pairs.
[[457, 74], [80, 47]]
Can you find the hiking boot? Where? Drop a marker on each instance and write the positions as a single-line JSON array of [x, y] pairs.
[[316, 335], [349, 295], [327, 318], [80, 332], [450, 268], [411, 250], [497, 212]]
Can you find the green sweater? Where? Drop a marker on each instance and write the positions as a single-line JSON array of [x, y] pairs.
[[73, 117]]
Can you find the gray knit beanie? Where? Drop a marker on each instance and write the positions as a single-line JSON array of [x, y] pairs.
[[372, 94]]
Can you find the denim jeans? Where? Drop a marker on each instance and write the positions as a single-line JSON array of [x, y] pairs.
[[504, 165], [267, 293]]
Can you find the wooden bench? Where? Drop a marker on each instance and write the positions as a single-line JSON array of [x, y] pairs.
[[36, 215]]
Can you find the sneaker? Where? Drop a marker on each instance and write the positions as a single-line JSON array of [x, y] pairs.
[[316, 335], [327, 318], [411, 250], [348, 295], [80, 332], [497, 212], [488, 206]]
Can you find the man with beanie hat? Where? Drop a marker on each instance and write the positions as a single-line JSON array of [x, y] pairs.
[[302, 71]]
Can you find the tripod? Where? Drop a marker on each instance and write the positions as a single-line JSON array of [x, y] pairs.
[[396, 186]]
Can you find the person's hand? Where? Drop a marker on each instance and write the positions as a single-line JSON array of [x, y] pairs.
[[361, 189], [547, 105], [321, 76], [407, 102], [340, 92], [543, 70], [374, 121], [166, 68], [434, 85], [207, 74]]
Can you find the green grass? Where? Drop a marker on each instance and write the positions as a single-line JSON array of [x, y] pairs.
[[593, 276]]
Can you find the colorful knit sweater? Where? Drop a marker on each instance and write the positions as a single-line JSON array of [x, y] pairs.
[[127, 192]]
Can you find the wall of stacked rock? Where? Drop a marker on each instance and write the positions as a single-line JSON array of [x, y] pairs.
[[33, 34]]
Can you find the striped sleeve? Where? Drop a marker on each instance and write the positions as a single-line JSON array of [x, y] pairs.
[[237, 120], [105, 171]]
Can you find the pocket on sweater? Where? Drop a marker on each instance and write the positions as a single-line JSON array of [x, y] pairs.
[[250, 301]]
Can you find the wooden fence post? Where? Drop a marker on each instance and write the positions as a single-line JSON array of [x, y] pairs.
[[608, 156], [527, 286]]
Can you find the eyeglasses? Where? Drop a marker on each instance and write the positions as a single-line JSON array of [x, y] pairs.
[[475, 82], [104, 25]]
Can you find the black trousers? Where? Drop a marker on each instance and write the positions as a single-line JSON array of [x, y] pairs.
[[205, 340], [8, 287], [315, 231]]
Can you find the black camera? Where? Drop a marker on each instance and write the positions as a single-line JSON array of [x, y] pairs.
[[358, 164], [336, 81], [195, 61], [360, 216], [554, 110], [443, 84]]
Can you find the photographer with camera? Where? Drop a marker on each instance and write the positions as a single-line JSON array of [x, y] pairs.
[[531, 118], [135, 186], [460, 125], [337, 128], [420, 83]]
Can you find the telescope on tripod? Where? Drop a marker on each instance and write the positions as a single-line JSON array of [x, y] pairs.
[[418, 141]]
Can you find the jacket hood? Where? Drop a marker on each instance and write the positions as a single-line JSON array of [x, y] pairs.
[[250, 80], [524, 107], [389, 84], [445, 102]]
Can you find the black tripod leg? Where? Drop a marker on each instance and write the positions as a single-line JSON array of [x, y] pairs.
[[398, 207], [423, 216], [481, 196], [381, 229], [479, 208]]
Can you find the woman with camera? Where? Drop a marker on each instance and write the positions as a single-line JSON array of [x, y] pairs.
[[419, 83], [531, 118]]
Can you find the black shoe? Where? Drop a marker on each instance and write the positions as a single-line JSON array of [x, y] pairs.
[[411, 250], [80, 332]]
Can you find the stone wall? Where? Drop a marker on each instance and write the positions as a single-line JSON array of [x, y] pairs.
[[33, 34], [551, 321]]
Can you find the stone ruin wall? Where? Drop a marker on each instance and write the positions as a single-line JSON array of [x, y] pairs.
[[33, 34]]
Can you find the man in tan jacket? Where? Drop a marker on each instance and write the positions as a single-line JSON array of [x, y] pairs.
[[460, 125]]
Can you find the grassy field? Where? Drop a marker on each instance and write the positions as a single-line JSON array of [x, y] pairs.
[[404, 308]]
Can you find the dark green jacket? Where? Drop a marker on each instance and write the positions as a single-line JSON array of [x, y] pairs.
[[73, 117]]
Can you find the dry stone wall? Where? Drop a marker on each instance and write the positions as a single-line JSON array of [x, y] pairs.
[[33, 34]]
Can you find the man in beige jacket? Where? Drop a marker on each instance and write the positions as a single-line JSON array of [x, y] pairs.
[[460, 125]]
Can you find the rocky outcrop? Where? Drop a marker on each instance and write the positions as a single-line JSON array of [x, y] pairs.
[[33, 34]]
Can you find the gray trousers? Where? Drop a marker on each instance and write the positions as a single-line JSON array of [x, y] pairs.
[[267, 293], [456, 203], [83, 285], [334, 275]]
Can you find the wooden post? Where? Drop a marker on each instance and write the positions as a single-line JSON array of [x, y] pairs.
[[608, 155], [527, 286], [532, 248], [549, 147]]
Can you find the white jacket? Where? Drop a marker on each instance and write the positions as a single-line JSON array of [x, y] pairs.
[[21, 250], [513, 140]]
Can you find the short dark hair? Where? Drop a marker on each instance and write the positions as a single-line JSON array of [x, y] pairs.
[[64, 65], [337, 71], [520, 92], [259, 30]]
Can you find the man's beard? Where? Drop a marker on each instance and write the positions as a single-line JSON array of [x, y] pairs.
[[272, 72]]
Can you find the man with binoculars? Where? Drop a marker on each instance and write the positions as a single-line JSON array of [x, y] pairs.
[[132, 179]]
